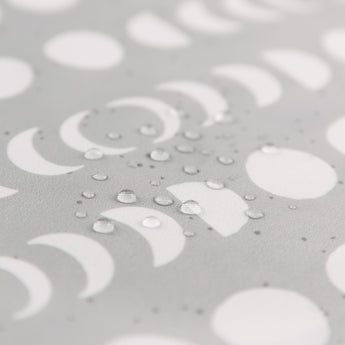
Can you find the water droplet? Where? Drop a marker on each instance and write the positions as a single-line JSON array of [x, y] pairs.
[[88, 194], [191, 170], [249, 197], [103, 226], [148, 130], [185, 148], [190, 207], [214, 184], [225, 160], [292, 207], [192, 135], [254, 214], [155, 183], [80, 214], [269, 148], [163, 200], [151, 222], [189, 234], [126, 196], [114, 136], [93, 154], [99, 177], [225, 116], [159, 155]]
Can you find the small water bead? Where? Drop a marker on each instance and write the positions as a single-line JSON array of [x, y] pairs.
[[254, 214], [185, 148], [114, 136], [159, 155], [192, 135], [249, 197], [148, 130], [225, 116], [225, 160], [189, 234], [163, 200], [292, 207], [103, 226], [190, 170], [269, 148], [99, 177], [126, 196], [151, 222], [155, 183], [80, 214], [88, 194], [214, 184], [93, 154], [190, 207]]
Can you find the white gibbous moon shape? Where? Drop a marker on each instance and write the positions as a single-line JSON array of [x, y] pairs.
[[15, 76], [209, 98], [335, 268], [298, 6], [90, 50], [306, 69], [95, 260], [194, 15], [5, 192], [72, 137], [150, 30], [166, 113], [336, 134], [37, 285], [290, 173], [147, 339], [248, 10], [21, 152], [333, 42], [43, 6], [166, 240], [270, 316], [264, 86], [222, 209]]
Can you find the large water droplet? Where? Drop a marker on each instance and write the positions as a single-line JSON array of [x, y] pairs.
[[126, 196], [88, 194], [190, 207], [159, 155], [214, 184], [151, 222], [93, 154], [99, 177], [225, 160], [163, 200], [254, 214], [103, 226]]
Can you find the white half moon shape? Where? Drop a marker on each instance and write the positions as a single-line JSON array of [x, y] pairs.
[[147, 339], [84, 49], [166, 113], [166, 241], [5, 192], [333, 42], [72, 137], [335, 268], [94, 259], [222, 209], [36, 283], [264, 86], [247, 9], [43, 6], [290, 173], [336, 135], [21, 153], [150, 30], [293, 5], [194, 15], [16, 76], [209, 98], [270, 316], [306, 69]]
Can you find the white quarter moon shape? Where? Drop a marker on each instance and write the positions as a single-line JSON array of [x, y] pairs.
[[270, 316], [305, 68], [194, 15], [290, 173], [333, 42], [336, 135], [150, 30], [209, 98], [297, 6], [335, 268], [248, 10], [166, 113], [22, 154], [94, 259], [84, 49], [147, 339], [166, 241], [222, 209], [37, 285], [72, 137], [43, 6], [15, 76], [264, 86], [5, 192]]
